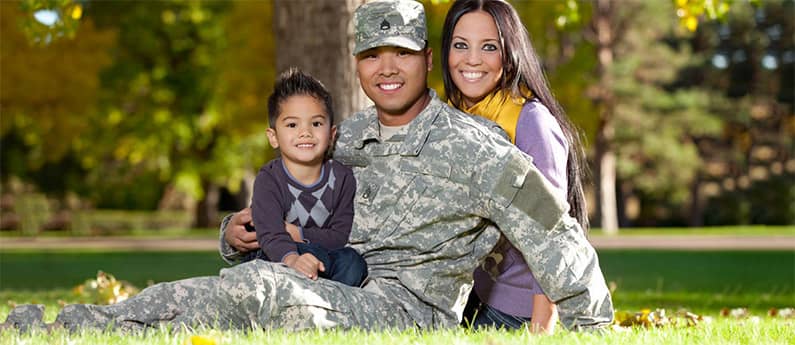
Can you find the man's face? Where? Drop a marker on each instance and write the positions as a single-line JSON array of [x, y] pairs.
[[395, 79]]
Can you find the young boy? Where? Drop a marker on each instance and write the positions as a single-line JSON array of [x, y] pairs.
[[302, 206]]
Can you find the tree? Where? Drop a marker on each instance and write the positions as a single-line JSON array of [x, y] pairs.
[[748, 58], [317, 36], [49, 104], [186, 94], [607, 29]]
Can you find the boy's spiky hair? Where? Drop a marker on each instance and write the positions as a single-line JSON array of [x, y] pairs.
[[295, 82]]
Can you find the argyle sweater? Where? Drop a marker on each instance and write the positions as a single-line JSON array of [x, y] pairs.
[[323, 210]]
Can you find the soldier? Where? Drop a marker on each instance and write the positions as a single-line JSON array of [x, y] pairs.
[[432, 184]]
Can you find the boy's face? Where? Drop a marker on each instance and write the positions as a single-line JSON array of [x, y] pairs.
[[395, 79], [303, 131]]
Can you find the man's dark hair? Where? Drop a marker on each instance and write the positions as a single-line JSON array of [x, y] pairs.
[[294, 82]]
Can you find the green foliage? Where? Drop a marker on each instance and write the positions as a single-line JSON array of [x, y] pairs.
[[33, 211], [770, 201], [193, 108], [689, 11], [567, 56], [50, 101], [656, 125], [435, 13], [170, 90], [68, 14], [568, 14], [120, 223]]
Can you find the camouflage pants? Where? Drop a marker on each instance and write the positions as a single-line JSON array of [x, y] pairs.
[[253, 294]]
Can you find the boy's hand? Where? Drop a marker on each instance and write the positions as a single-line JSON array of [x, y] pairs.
[[294, 231], [236, 235], [306, 263]]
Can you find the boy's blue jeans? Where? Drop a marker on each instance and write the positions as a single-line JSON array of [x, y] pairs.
[[344, 265]]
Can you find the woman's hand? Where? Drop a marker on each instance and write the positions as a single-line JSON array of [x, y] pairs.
[[544, 317]]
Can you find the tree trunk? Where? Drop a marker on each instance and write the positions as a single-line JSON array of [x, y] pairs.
[[696, 216], [243, 197], [207, 208], [317, 36], [605, 156]]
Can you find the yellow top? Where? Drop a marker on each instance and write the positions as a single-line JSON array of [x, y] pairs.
[[501, 108]]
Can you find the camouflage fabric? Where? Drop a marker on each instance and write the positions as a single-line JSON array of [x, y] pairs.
[[426, 202], [25, 318], [426, 206], [389, 23], [425, 210], [254, 294]]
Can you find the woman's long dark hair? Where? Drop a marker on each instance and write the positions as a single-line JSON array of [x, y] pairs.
[[521, 73]]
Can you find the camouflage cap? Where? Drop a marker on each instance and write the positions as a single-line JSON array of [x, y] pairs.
[[399, 23]]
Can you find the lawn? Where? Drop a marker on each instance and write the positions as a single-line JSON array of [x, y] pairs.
[[702, 282]]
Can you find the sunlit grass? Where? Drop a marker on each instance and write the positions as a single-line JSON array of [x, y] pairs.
[[721, 331], [701, 282], [734, 230]]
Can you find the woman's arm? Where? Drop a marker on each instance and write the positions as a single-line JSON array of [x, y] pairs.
[[545, 315]]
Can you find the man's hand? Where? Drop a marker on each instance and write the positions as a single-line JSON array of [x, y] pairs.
[[306, 263], [236, 235], [294, 231]]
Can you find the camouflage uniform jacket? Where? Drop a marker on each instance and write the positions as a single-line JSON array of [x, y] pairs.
[[425, 209]]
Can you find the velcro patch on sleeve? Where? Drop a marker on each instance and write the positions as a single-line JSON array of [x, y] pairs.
[[523, 187]]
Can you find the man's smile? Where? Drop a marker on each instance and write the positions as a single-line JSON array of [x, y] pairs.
[[391, 86]]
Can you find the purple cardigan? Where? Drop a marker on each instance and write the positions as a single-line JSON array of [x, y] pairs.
[[504, 281]]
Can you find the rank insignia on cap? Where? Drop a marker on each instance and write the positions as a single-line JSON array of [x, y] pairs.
[[392, 23]]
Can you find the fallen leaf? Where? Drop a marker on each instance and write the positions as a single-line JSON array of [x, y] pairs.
[[200, 340]]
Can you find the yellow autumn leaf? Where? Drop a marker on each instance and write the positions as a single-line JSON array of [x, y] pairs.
[[200, 340], [77, 11], [691, 23], [105, 289]]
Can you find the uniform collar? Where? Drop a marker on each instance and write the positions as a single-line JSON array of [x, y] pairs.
[[418, 130]]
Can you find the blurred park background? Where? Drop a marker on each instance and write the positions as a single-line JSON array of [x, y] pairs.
[[117, 116], [144, 121]]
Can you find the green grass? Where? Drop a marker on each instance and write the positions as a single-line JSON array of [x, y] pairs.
[[723, 331], [168, 232], [734, 230], [27, 270], [703, 282]]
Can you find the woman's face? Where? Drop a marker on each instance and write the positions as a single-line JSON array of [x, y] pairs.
[[475, 57]]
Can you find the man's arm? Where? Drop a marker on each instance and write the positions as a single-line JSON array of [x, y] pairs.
[[234, 240], [524, 206]]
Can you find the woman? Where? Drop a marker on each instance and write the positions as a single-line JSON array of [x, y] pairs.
[[491, 70]]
